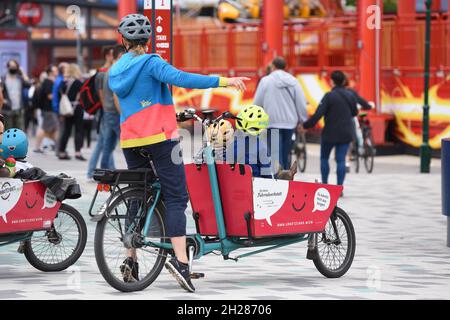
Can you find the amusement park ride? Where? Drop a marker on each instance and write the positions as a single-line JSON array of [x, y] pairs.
[[383, 54]]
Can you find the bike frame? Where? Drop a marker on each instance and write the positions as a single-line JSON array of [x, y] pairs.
[[7, 239], [226, 244]]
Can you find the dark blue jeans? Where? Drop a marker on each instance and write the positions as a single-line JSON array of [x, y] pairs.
[[340, 153], [284, 147], [172, 177]]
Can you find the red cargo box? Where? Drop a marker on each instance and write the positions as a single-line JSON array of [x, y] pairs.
[[276, 207], [26, 206], [197, 180]]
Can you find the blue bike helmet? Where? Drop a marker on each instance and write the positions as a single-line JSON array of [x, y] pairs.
[[14, 143]]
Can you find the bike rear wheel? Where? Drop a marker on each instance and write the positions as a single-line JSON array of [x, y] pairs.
[[355, 157], [334, 255], [111, 233], [61, 246]]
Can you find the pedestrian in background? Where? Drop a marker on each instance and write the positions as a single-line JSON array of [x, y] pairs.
[[338, 107], [110, 124], [71, 86], [13, 85], [282, 97], [43, 101], [93, 161], [57, 86]]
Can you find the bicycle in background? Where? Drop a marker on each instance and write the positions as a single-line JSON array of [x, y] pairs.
[[363, 147]]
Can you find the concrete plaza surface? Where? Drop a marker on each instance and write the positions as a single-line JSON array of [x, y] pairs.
[[401, 251]]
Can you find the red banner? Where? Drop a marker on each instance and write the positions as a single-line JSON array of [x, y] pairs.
[[160, 14]]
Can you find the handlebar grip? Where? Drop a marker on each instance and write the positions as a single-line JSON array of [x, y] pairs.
[[182, 117], [229, 115]]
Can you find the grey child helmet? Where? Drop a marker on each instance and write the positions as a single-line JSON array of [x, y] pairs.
[[135, 27]]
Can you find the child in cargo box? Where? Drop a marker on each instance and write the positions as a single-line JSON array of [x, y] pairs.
[[13, 151], [248, 145]]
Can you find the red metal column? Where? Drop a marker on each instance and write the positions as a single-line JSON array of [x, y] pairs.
[[125, 7], [407, 34], [370, 45], [273, 29]]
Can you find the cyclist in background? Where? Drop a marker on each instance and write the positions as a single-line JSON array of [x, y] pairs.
[[338, 107], [149, 127]]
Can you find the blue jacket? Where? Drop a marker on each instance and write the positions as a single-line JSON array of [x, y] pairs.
[[147, 111], [55, 93]]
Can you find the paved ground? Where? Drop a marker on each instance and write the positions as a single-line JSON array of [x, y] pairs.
[[401, 251]]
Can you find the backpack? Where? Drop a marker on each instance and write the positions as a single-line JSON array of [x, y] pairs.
[[89, 99]]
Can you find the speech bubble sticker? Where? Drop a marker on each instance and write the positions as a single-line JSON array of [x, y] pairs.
[[268, 197], [321, 200], [49, 199], [10, 191]]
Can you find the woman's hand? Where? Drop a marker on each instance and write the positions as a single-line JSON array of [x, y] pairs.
[[238, 83]]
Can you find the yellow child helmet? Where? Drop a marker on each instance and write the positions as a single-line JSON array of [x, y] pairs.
[[220, 133], [252, 120]]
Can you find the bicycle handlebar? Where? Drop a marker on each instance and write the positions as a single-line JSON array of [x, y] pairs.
[[189, 114]]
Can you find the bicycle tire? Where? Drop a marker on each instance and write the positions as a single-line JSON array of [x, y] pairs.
[[102, 264], [369, 153], [355, 155], [341, 215], [301, 159], [37, 262]]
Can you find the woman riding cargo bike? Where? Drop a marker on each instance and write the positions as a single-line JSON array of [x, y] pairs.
[[149, 129]]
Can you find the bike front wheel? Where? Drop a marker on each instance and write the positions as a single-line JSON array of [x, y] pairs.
[[369, 155], [355, 157], [111, 252], [335, 248]]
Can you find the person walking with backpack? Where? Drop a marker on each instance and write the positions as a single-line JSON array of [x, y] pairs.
[[110, 123], [282, 97], [71, 88], [99, 83], [149, 127], [338, 107]]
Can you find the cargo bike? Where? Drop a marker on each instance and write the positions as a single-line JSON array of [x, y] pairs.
[[231, 209], [52, 234]]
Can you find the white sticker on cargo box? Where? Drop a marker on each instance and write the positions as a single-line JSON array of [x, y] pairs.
[[10, 191], [268, 197], [321, 200], [49, 199]]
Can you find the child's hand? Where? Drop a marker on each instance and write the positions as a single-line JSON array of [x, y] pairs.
[[238, 83]]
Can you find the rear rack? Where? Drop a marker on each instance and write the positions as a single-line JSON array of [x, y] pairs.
[[140, 177]]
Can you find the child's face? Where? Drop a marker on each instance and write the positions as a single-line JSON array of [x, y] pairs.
[[2, 128]]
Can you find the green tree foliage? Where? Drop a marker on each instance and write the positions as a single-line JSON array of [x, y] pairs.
[[390, 6]]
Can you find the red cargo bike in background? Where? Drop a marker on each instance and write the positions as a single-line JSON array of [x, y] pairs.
[[52, 234]]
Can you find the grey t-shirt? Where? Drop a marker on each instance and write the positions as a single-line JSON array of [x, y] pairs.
[[108, 95], [14, 87]]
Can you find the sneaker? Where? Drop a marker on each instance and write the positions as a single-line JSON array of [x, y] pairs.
[[130, 270], [80, 157], [181, 273]]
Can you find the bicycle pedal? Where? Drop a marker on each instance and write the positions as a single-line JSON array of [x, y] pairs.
[[197, 275]]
